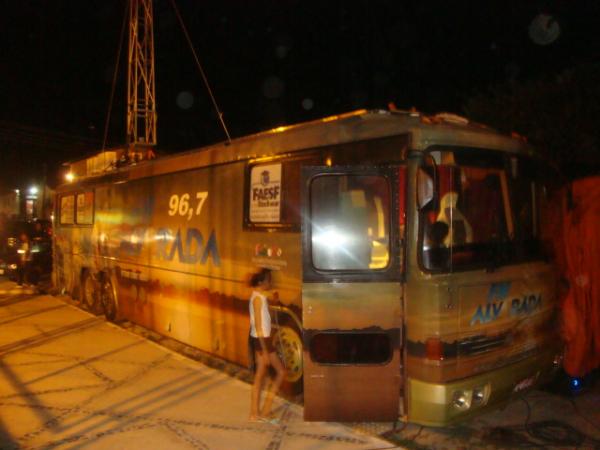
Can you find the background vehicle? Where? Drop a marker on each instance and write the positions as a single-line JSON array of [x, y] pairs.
[[416, 284], [40, 235]]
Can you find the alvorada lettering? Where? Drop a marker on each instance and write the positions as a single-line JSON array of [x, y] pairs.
[[186, 246], [518, 307]]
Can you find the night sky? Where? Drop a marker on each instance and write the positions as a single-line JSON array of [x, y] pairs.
[[269, 63]]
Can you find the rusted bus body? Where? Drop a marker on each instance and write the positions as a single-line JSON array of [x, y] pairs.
[[378, 318], [185, 277]]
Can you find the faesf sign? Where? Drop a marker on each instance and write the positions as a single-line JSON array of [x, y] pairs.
[[265, 193]]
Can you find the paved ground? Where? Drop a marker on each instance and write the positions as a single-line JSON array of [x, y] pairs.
[[68, 379]]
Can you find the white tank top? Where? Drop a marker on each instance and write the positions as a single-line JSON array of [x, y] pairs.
[[264, 315]]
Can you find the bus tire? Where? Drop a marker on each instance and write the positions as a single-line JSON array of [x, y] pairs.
[[288, 345], [109, 301], [89, 292]]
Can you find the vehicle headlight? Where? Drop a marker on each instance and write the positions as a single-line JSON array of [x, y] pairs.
[[462, 399], [481, 394]]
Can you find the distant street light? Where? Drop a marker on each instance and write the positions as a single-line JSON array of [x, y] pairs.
[[33, 190], [69, 176]]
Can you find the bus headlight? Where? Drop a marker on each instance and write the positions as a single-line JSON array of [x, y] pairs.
[[467, 398], [462, 399], [481, 394]]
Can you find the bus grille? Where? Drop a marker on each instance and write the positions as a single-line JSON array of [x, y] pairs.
[[481, 344]]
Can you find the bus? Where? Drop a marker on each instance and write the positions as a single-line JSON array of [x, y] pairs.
[[409, 262]]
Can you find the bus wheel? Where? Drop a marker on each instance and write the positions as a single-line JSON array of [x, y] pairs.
[[109, 301], [288, 344], [89, 292]]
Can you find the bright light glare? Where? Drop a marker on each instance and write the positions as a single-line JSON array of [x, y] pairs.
[[331, 238], [164, 237], [33, 190], [69, 176]]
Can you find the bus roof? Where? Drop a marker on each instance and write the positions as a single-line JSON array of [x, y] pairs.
[[440, 129]]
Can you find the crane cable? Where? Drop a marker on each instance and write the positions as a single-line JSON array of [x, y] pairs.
[[114, 81], [187, 36]]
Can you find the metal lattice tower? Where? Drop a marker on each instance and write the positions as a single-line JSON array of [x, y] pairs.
[[141, 98]]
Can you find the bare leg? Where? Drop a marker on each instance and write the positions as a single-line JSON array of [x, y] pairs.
[[281, 372], [262, 363]]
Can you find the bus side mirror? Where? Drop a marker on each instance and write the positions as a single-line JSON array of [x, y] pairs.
[[425, 188], [427, 182]]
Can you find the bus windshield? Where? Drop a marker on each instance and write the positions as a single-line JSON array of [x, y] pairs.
[[485, 213]]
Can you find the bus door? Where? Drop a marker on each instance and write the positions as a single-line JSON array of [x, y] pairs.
[[351, 292]]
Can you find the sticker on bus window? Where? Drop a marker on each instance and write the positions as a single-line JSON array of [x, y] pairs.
[[265, 193]]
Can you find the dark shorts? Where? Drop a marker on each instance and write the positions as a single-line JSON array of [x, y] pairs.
[[257, 347]]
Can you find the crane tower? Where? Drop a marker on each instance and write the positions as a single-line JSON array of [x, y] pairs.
[[141, 99]]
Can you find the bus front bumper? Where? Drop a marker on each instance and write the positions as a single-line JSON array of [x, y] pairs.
[[434, 404]]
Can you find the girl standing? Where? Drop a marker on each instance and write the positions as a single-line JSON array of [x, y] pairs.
[[264, 352]]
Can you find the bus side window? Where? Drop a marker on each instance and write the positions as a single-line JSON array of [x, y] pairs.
[[67, 210], [85, 208]]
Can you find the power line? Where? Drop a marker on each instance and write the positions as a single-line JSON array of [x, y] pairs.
[[14, 136], [114, 81], [212, 97]]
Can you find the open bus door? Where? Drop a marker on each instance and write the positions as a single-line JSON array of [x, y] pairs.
[[351, 292]]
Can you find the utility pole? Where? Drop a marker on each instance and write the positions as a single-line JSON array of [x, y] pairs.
[[141, 98]]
